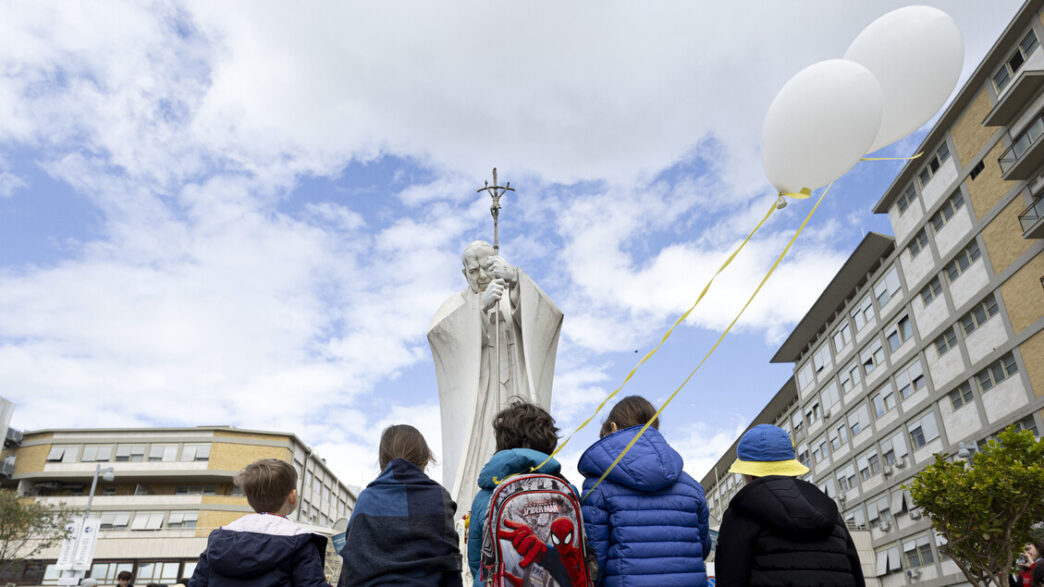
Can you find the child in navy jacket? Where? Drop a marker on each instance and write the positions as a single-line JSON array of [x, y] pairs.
[[264, 549], [401, 531]]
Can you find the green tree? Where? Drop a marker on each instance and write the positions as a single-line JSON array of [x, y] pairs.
[[27, 527], [985, 509]]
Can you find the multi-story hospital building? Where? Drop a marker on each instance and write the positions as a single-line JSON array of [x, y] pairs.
[[930, 341]]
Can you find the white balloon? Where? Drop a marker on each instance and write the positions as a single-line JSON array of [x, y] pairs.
[[820, 124], [916, 53]]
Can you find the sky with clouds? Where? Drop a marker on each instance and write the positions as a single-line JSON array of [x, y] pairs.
[[247, 213]]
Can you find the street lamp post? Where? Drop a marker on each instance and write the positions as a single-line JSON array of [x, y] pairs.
[[107, 475]]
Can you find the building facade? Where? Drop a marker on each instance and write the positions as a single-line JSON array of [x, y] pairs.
[[931, 341], [171, 487]]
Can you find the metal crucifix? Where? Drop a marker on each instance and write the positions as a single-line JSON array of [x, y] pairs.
[[494, 208]]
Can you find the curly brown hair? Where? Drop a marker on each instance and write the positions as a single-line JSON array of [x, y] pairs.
[[525, 425], [633, 410]]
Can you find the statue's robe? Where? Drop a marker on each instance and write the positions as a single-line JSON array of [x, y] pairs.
[[465, 353]]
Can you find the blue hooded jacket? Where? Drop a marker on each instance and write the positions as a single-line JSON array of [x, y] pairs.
[[647, 522], [261, 550], [502, 464]]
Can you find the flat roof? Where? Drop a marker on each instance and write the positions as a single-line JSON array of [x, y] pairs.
[[872, 249], [289, 435], [768, 415], [965, 95]]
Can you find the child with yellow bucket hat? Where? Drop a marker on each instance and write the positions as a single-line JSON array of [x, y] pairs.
[[778, 529]]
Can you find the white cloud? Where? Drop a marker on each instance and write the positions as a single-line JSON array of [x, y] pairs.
[[188, 127]]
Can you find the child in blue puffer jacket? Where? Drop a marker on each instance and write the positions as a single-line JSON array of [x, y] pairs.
[[647, 522]]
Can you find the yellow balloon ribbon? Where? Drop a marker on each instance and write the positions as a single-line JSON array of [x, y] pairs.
[[680, 319], [712, 349]]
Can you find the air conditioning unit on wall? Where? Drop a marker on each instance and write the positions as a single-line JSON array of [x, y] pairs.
[[913, 573]]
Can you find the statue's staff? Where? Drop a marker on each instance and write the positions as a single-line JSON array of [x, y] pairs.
[[496, 192]]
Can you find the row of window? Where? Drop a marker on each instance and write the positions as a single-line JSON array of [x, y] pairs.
[[148, 520], [908, 379], [984, 380], [1014, 62], [941, 218], [144, 571], [128, 453], [912, 552]]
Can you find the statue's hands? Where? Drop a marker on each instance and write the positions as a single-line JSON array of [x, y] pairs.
[[492, 295], [499, 268]]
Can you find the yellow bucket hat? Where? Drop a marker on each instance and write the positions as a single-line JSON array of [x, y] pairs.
[[767, 450]]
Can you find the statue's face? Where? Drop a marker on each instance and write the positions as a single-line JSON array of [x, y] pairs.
[[475, 270]]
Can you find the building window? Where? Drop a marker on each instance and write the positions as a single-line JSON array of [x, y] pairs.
[[820, 452], [147, 521], [846, 478], [948, 209], [1000, 370], [934, 162], [919, 243], [884, 401], [888, 287], [797, 421], [975, 171], [924, 431], [115, 520], [901, 332], [821, 358], [945, 341], [838, 436], [157, 572], [802, 454], [858, 419], [812, 414], [872, 356], [978, 315], [1027, 423], [864, 313], [195, 490], [62, 454], [962, 261], [918, 553], [910, 379], [106, 573], [869, 465], [931, 291], [850, 377], [132, 453], [962, 395], [893, 448], [182, 519], [1014, 62], [842, 336], [94, 453], [166, 453], [195, 452], [906, 199]]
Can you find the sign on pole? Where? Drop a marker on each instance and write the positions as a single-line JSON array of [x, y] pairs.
[[88, 540], [65, 555]]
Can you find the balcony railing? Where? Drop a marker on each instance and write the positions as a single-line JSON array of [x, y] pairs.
[[1032, 218], [1021, 144]]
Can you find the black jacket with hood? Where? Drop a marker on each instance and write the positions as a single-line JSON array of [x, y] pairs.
[[261, 550], [785, 531]]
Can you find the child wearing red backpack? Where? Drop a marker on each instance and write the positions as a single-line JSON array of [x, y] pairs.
[[535, 513]]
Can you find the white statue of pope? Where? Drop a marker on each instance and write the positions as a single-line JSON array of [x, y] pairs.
[[489, 348]]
